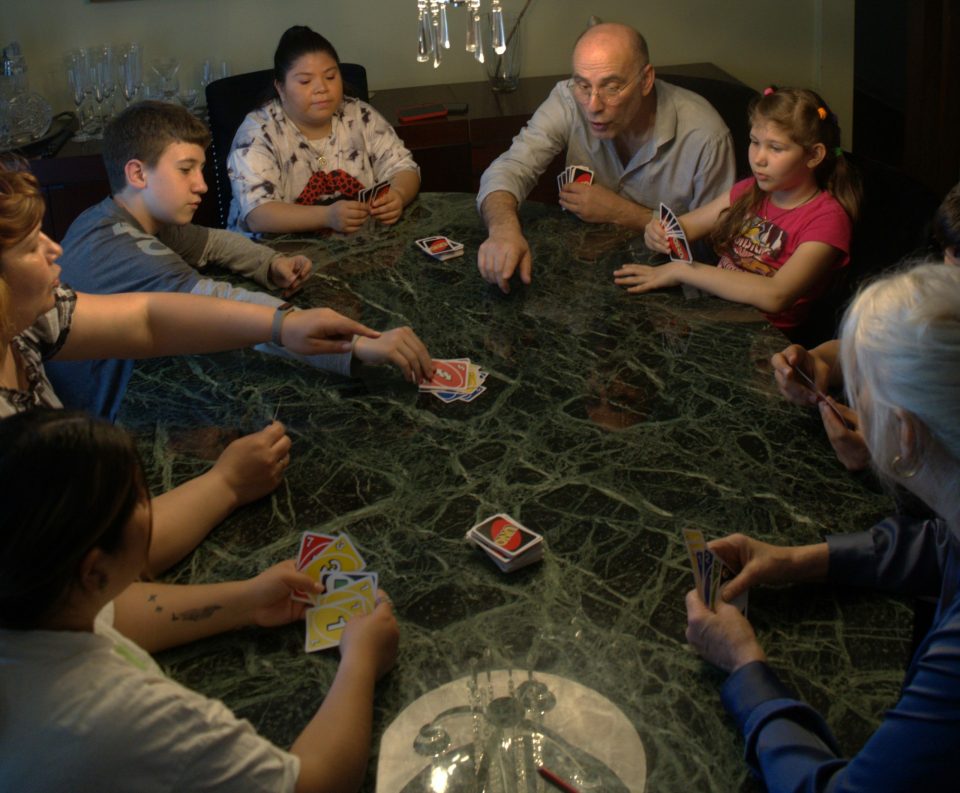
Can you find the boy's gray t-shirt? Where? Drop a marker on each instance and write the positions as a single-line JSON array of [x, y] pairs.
[[106, 251]]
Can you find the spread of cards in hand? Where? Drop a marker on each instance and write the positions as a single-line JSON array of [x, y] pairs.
[[676, 238], [349, 590], [370, 194], [574, 173], [440, 248], [508, 542], [709, 571], [455, 379]]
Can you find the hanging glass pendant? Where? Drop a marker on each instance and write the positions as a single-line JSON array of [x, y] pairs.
[[423, 25], [473, 7], [444, 27], [478, 37], [498, 31], [435, 41]]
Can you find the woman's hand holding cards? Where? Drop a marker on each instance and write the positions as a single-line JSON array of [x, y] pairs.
[[725, 638], [845, 436], [388, 207], [269, 594], [372, 639], [346, 216], [758, 563]]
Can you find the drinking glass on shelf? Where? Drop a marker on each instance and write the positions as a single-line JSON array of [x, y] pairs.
[[105, 82], [207, 73], [166, 70], [190, 98], [77, 64], [131, 72]]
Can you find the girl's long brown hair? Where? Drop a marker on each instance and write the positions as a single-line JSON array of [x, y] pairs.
[[806, 119]]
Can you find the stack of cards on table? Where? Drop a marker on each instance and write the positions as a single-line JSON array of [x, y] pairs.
[[455, 379], [574, 173], [335, 563], [508, 542], [709, 571], [676, 238], [371, 194], [440, 248]]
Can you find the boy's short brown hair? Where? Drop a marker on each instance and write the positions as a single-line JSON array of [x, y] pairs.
[[142, 132]]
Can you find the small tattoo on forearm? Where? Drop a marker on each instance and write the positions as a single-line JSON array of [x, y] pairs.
[[196, 615]]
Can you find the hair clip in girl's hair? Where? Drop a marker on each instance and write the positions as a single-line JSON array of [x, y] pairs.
[[770, 89], [822, 112], [838, 151]]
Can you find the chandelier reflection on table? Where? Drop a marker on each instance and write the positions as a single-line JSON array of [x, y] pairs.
[[492, 731]]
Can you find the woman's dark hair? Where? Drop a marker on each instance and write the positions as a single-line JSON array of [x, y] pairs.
[[946, 222], [295, 43], [68, 483]]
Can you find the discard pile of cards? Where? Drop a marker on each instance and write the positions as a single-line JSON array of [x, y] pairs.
[[508, 542], [676, 238], [455, 379], [574, 173], [370, 194], [348, 591], [709, 571], [440, 248]]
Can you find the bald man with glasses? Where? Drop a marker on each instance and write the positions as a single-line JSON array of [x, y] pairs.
[[647, 141]]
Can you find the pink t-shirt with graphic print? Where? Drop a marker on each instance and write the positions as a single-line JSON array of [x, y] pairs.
[[772, 236]]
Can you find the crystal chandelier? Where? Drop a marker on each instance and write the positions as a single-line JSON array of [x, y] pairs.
[[434, 30]]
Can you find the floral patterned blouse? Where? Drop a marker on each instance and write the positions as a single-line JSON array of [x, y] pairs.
[[272, 160], [40, 341]]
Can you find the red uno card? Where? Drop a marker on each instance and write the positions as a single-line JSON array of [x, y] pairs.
[[448, 374], [312, 544]]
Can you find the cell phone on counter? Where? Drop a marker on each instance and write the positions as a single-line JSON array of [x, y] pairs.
[[406, 115]]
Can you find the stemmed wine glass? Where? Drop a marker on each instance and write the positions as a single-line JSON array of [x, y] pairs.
[[81, 87], [166, 70], [105, 83], [131, 72]]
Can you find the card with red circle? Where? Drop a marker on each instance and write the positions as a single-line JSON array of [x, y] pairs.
[[505, 535]]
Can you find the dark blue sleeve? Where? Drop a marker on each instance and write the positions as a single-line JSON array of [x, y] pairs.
[[897, 555], [790, 746]]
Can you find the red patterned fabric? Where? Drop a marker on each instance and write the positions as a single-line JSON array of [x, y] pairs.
[[325, 187]]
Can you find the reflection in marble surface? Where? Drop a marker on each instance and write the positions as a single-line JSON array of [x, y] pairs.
[[610, 422], [520, 721]]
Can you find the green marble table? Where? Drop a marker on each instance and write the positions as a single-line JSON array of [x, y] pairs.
[[610, 423]]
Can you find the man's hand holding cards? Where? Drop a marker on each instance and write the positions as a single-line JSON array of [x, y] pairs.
[[710, 572], [509, 543], [334, 562], [440, 248]]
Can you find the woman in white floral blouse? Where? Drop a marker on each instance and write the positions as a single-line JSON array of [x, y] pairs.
[[298, 162]]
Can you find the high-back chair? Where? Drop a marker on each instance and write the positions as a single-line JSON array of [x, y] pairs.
[[228, 102]]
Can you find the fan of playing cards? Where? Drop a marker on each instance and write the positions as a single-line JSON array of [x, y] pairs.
[[370, 194], [440, 248], [508, 542], [574, 173], [709, 571], [676, 238], [335, 563], [455, 379]]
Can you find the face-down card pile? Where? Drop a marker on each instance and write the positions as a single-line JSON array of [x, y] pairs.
[[509, 543]]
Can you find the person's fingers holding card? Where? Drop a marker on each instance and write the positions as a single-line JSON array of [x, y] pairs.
[[842, 426], [725, 638], [386, 205], [655, 237]]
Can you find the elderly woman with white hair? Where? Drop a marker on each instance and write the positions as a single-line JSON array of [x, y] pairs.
[[900, 351]]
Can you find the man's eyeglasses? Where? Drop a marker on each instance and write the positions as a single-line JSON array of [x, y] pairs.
[[608, 92]]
